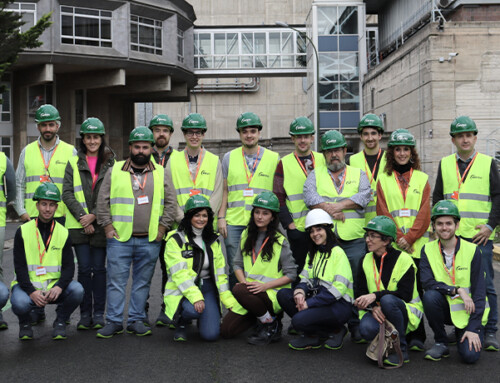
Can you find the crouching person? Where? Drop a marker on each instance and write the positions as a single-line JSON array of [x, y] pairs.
[[44, 266]]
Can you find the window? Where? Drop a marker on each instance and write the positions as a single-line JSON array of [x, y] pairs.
[[38, 95], [6, 101], [27, 11], [6, 145], [84, 26], [145, 35], [180, 45]]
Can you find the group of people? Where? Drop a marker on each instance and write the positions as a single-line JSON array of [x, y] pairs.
[[338, 247]]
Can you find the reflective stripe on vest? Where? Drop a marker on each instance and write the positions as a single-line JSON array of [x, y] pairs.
[[72, 222], [3, 199]]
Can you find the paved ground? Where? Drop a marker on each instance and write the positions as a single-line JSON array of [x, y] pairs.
[[157, 358]]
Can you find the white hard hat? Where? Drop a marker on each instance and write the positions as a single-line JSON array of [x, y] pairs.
[[318, 217]]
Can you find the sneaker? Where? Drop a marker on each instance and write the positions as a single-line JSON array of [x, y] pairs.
[[85, 322], [305, 342], [37, 316], [180, 334], [291, 331], [25, 331], [3, 324], [393, 359], [110, 329], [490, 342], [59, 332], [139, 328], [163, 320], [416, 345], [98, 321], [356, 335], [336, 340], [268, 333], [438, 351]]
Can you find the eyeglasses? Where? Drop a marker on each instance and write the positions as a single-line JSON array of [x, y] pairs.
[[372, 236], [191, 133]]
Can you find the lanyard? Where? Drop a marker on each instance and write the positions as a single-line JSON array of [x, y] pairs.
[[46, 166], [403, 193], [367, 168], [343, 180], [42, 254], [138, 182], [461, 179], [377, 282], [452, 275], [301, 165], [169, 149], [249, 178], [254, 257], [95, 176], [197, 167]]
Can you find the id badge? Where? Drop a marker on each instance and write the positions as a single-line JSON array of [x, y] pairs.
[[248, 193], [193, 192], [142, 200], [372, 195], [454, 195], [404, 213], [40, 270], [44, 178]]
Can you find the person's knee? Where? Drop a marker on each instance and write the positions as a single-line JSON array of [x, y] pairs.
[[432, 298], [388, 302], [210, 336], [4, 295], [21, 303], [240, 290], [468, 357], [368, 328], [75, 290]]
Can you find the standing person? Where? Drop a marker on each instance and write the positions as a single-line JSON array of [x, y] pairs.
[[453, 278], [135, 217], [387, 285], [289, 178], [320, 305], [41, 161], [372, 158], [471, 180], [197, 283], [403, 194], [82, 183], [247, 171], [343, 192], [44, 266], [263, 265]]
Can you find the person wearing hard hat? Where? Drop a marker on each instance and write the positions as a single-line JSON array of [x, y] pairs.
[[136, 208], [44, 266], [387, 284], [247, 171], [453, 279], [162, 127], [82, 184], [343, 192], [320, 305], [471, 180]]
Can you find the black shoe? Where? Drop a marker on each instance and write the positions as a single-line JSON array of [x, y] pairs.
[[180, 334], [3, 324], [291, 330], [336, 340], [163, 320], [98, 321], [110, 330], [416, 345], [85, 322], [138, 328], [25, 331], [356, 335], [268, 333], [490, 342], [36, 317], [436, 352], [59, 332], [305, 342], [393, 359]]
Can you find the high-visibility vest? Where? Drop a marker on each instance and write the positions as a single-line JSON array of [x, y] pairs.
[[264, 271], [358, 160], [293, 183], [3, 199], [404, 212], [463, 260], [239, 206], [72, 222], [474, 199], [332, 271], [414, 308], [122, 202], [52, 260], [352, 228], [182, 279], [34, 167]]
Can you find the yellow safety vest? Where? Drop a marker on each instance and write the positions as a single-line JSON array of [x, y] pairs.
[[352, 228], [404, 212], [415, 308], [474, 199], [72, 222], [293, 183], [34, 167], [239, 206], [463, 260], [122, 202], [3, 199]]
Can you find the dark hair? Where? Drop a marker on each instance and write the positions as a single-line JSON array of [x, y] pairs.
[[186, 227], [100, 152], [331, 241], [414, 159], [253, 232]]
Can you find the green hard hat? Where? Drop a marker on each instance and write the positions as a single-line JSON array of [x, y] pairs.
[[248, 119], [371, 120], [301, 125], [141, 133], [47, 112], [47, 190], [332, 139], [92, 125], [401, 137], [194, 121], [196, 202], [267, 200], [161, 120], [443, 208], [462, 124], [383, 225]]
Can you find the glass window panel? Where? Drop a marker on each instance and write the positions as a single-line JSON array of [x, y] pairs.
[[260, 43], [158, 44], [274, 61], [287, 61], [28, 6], [327, 20], [106, 29], [220, 62], [329, 66], [348, 66], [134, 36], [85, 11], [274, 42], [5, 140], [232, 43], [233, 62], [106, 14], [67, 41], [106, 44], [66, 9], [247, 43], [261, 61], [219, 43], [349, 95], [329, 96], [286, 42], [134, 18], [348, 21], [247, 61], [204, 47], [146, 36], [85, 27], [67, 26]]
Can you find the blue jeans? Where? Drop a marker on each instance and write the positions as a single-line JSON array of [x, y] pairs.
[[209, 319], [141, 255], [232, 243], [4, 295], [92, 276], [67, 302], [394, 310]]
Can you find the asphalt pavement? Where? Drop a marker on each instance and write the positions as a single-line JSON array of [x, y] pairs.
[[157, 358]]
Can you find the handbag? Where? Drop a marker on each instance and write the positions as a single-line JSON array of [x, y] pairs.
[[385, 342]]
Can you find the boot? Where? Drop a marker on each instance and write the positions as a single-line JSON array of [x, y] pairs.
[[269, 332]]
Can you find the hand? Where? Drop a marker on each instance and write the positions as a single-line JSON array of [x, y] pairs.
[[222, 226], [159, 236], [256, 287], [299, 298], [303, 306], [332, 208], [199, 306], [474, 340], [404, 245], [111, 232], [25, 217], [378, 314], [469, 303], [89, 229], [292, 226], [53, 294], [38, 298], [87, 219], [482, 237], [339, 216], [364, 301]]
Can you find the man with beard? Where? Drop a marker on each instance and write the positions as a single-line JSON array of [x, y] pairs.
[[343, 192], [162, 127], [247, 171], [135, 218]]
